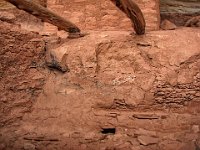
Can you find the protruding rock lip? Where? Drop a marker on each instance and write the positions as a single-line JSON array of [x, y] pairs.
[[76, 35]]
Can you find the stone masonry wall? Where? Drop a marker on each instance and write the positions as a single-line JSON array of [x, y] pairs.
[[102, 14]]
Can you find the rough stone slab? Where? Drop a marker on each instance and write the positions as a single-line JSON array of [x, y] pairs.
[[147, 140]]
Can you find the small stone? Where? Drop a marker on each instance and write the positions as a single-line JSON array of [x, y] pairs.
[[75, 135], [147, 140], [197, 94], [57, 59], [193, 22], [188, 146], [83, 146], [90, 136], [134, 142], [6, 16], [141, 131], [167, 25], [117, 137], [29, 146], [124, 146], [195, 128], [2, 146]]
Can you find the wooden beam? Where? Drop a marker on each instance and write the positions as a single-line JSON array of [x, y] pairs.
[[132, 10], [46, 15]]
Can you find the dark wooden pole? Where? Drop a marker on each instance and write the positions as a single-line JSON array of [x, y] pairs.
[[132, 10], [45, 15]]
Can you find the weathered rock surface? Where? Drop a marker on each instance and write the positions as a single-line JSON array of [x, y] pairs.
[[119, 60], [120, 92], [6, 16], [167, 25], [179, 11], [147, 140], [28, 146], [193, 22], [21, 78], [57, 61], [102, 14]]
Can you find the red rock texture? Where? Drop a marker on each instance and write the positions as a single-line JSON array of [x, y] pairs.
[[102, 14], [21, 60], [120, 92]]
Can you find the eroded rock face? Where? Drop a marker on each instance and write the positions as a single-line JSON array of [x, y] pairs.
[[120, 92], [148, 70], [21, 79], [123, 91]]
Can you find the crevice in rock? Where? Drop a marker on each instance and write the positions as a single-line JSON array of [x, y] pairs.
[[108, 130]]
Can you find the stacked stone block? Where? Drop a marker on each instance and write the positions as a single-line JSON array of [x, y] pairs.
[[102, 14]]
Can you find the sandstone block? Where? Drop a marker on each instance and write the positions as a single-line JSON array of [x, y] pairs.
[[167, 25], [147, 140]]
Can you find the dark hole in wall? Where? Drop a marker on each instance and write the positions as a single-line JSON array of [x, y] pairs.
[[108, 130], [179, 11]]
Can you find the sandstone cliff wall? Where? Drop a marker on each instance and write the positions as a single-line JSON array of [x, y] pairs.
[[102, 14]]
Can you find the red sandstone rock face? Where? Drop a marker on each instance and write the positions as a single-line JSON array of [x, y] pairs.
[[102, 14], [119, 91], [21, 57], [150, 66]]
